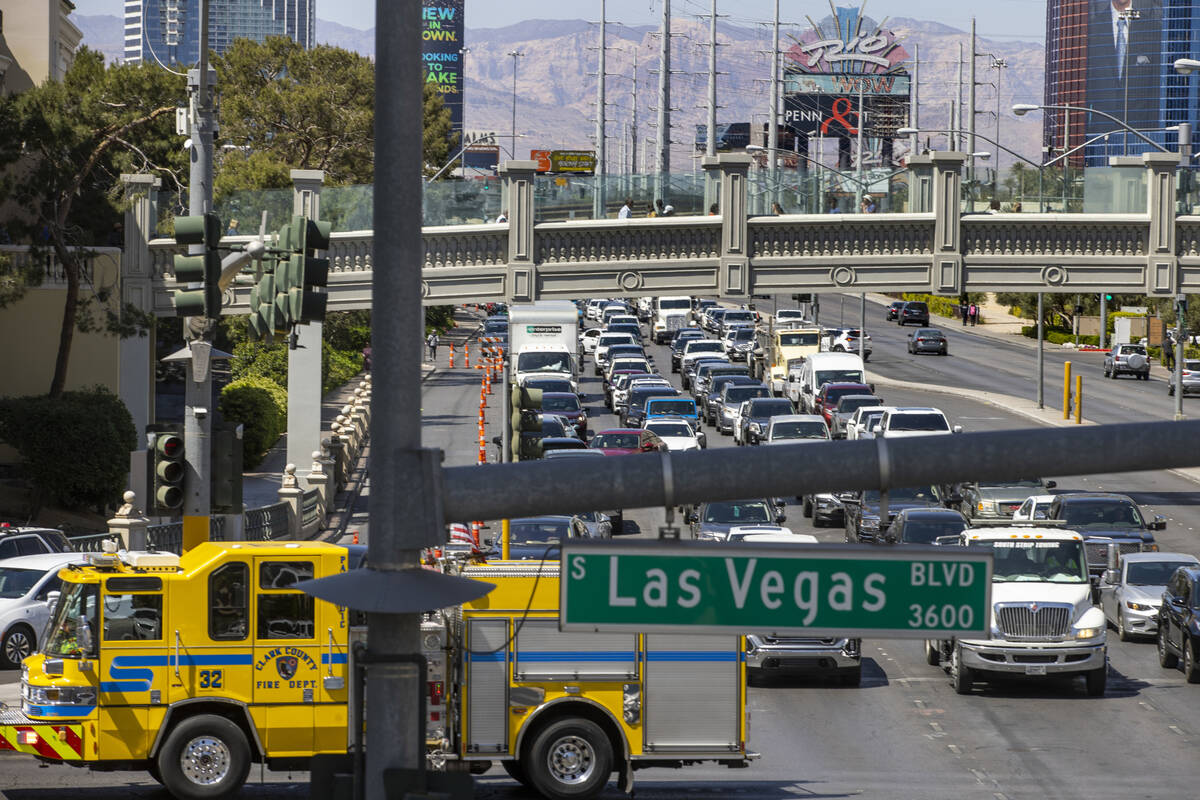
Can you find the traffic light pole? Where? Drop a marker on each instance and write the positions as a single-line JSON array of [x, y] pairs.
[[197, 430]]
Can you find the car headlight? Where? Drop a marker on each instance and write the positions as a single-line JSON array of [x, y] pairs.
[[988, 506], [755, 427], [869, 524], [1089, 633], [1149, 548], [1138, 606]]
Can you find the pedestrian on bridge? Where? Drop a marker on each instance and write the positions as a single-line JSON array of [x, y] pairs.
[[432, 341], [626, 210]]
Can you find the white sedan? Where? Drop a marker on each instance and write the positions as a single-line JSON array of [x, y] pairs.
[[677, 434], [767, 534], [589, 339], [28, 590]]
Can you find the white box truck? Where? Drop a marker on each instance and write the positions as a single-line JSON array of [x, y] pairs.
[[543, 339]]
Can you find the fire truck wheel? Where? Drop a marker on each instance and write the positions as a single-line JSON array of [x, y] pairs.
[[568, 759], [516, 771], [204, 756]]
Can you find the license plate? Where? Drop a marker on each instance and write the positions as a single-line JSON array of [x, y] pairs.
[[1035, 669]]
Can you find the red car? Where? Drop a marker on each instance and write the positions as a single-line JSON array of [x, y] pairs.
[[626, 441], [827, 399]]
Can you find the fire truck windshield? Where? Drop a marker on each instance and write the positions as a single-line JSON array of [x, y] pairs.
[[75, 622]]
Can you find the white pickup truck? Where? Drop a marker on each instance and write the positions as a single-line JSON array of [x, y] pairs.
[[1043, 620]]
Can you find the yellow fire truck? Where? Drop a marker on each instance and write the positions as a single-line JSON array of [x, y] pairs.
[[562, 711], [193, 668]]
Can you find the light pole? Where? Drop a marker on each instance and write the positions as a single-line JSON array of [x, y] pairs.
[[1021, 109], [513, 147], [998, 64], [1127, 16]]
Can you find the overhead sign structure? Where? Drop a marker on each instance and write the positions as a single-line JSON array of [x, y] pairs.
[[809, 590]]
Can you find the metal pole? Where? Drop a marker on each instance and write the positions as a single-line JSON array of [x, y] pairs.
[[710, 148], [633, 124], [773, 119], [598, 206], [914, 108], [663, 165], [1066, 405], [197, 418], [1178, 376], [512, 150], [971, 123], [1041, 335], [858, 192], [400, 521], [1103, 318], [959, 115], [999, 64], [862, 328], [1066, 167], [1129, 15]]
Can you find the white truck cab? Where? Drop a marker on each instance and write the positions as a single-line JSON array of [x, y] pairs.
[[670, 314], [1043, 619], [819, 369]]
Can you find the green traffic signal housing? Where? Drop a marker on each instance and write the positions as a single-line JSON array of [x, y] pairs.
[[203, 269], [306, 272], [526, 422]]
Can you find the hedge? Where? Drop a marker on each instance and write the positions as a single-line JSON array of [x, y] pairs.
[[260, 406], [338, 366], [75, 447]]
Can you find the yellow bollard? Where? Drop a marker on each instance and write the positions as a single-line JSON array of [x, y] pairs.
[[1078, 399], [504, 540], [1067, 390]]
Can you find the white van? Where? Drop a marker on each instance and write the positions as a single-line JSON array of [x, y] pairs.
[[819, 369]]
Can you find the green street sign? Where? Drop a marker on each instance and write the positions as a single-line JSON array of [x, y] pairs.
[[810, 590]]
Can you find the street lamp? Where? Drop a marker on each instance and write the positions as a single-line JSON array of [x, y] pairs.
[[1021, 109], [515, 55]]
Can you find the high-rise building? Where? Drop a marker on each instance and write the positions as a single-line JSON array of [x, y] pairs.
[[37, 41], [1114, 57], [169, 30]]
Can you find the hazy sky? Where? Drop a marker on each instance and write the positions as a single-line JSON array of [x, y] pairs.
[[1018, 19]]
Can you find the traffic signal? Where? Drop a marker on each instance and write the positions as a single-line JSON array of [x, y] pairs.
[[526, 421], [204, 269], [803, 298], [1108, 298], [263, 321], [299, 277], [168, 468]]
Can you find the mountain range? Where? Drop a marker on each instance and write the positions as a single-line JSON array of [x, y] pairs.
[[556, 80]]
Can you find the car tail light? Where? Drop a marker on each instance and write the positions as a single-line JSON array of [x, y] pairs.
[[437, 692], [920, 338]]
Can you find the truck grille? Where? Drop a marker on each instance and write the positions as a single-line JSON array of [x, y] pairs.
[[802, 641], [1033, 620], [1097, 552]]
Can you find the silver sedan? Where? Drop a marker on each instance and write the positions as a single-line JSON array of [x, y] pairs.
[[1131, 594]]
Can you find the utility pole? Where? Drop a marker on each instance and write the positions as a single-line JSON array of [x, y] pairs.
[[998, 64], [858, 192], [663, 165], [197, 419], [633, 128], [773, 130], [971, 121], [958, 139], [710, 149], [598, 206], [512, 150], [914, 112]]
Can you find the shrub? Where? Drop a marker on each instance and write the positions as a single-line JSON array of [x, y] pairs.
[[257, 360], [260, 406], [338, 366], [75, 447]]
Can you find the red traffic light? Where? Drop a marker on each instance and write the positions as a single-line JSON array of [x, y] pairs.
[[170, 445]]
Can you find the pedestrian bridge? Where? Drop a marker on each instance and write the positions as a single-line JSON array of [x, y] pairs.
[[933, 248]]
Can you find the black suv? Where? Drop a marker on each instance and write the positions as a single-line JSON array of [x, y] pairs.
[[893, 311], [914, 312], [862, 509], [1179, 623], [1104, 518], [31, 541]]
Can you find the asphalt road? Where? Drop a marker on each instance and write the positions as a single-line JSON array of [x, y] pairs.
[[904, 733]]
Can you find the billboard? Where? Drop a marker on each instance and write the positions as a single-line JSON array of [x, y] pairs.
[[847, 73], [575, 161], [1126, 65], [441, 52]]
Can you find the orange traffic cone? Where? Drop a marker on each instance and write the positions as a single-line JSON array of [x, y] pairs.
[[467, 355], [356, 537], [452, 355]]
